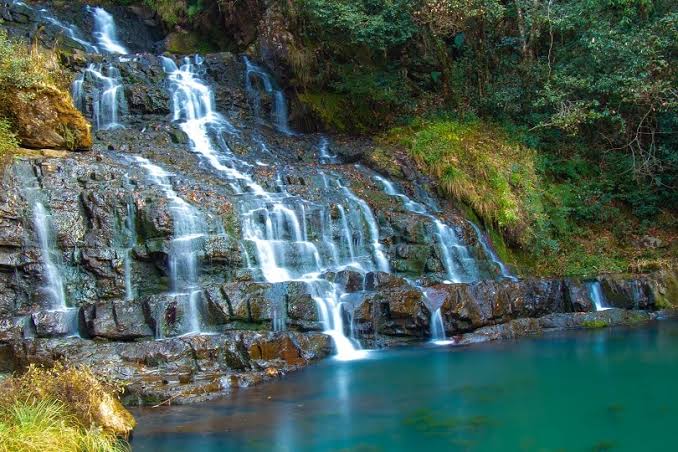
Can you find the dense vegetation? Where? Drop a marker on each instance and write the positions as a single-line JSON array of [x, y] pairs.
[[61, 409]]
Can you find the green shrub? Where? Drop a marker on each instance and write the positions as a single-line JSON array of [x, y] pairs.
[[8, 140]]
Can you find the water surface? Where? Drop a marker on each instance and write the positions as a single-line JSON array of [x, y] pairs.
[[595, 390]]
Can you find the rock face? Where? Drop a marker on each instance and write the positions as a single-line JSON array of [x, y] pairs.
[[111, 239]]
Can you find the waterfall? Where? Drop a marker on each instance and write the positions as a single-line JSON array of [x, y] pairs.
[[55, 284], [437, 327], [489, 251], [69, 30], [189, 233], [458, 262], [53, 301], [130, 227], [105, 32], [380, 257], [455, 256], [279, 108], [597, 296], [324, 155], [78, 93], [275, 224], [108, 98], [280, 112]]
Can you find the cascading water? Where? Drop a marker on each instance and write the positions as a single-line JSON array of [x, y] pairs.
[[457, 260], [274, 224], [51, 260], [69, 30], [189, 233], [279, 109], [597, 296], [105, 32], [108, 99], [131, 236], [324, 155], [489, 251], [379, 256], [55, 284], [53, 291]]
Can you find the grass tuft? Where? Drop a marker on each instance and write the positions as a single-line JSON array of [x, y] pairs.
[[61, 409]]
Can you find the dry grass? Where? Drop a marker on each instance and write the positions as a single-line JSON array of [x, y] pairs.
[[61, 409]]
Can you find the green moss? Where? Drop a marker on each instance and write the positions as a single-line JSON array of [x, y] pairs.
[[184, 43], [596, 323], [331, 109], [383, 162]]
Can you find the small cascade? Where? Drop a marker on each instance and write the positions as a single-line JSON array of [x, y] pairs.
[[380, 257], [105, 32], [280, 112], [437, 328], [279, 109], [131, 235], [596, 294], [189, 232], [459, 265], [324, 155], [636, 293], [50, 259], [108, 98], [69, 30], [489, 251], [78, 92], [53, 300], [275, 225]]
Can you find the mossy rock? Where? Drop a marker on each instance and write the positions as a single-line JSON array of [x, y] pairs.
[[382, 161], [47, 118], [594, 324], [186, 42]]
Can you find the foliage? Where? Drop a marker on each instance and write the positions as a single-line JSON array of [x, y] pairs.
[[24, 71], [8, 140], [173, 11], [23, 68], [477, 164], [57, 410], [376, 25]]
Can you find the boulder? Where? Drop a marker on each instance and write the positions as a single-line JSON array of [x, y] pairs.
[[578, 296], [56, 323]]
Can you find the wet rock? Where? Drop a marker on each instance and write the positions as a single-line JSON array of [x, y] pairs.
[[147, 99], [578, 297], [277, 348], [350, 281], [628, 294], [120, 320], [11, 329], [55, 323]]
